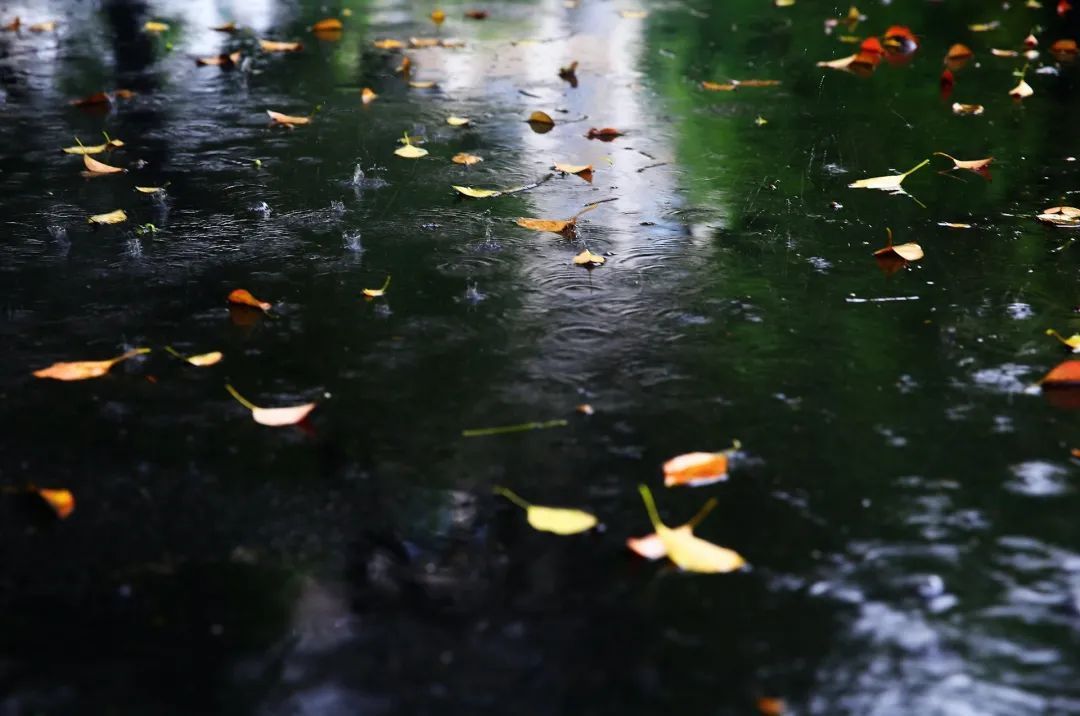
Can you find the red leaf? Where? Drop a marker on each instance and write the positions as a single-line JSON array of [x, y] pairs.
[[1064, 374]]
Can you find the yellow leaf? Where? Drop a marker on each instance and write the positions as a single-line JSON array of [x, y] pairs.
[[367, 95], [1073, 341], [540, 118], [557, 226], [426, 84], [652, 547], [890, 183], [96, 167], [205, 359], [457, 121], [438, 17], [62, 502], [411, 152], [286, 119], [112, 217], [1021, 90], [984, 26], [376, 292], [552, 519], [476, 193], [149, 189], [156, 27], [633, 14], [389, 44], [687, 551], [275, 46], [420, 42], [82, 370], [588, 259], [717, 87], [466, 159], [47, 26], [907, 252], [273, 417], [574, 168], [1004, 53], [953, 225]]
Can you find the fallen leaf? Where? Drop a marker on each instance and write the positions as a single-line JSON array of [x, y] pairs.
[[329, 24], [466, 159], [1004, 53], [1063, 50], [558, 520], [273, 417], [633, 14], [959, 52], [377, 292], [985, 26], [1073, 341], [82, 370], [717, 87], [588, 259], [585, 409], [947, 82], [92, 149], [149, 189], [900, 38], [604, 134], [979, 166], [952, 225], [565, 227], [156, 27], [422, 42], [687, 551], [769, 706], [389, 44], [14, 25], [1021, 91], [651, 547], [457, 121], [426, 84], [541, 121], [112, 217], [907, 252], [61, 502], [695, 469], [476, 14], [47, 26], [97, 98], [1065, 216], [94, 166], [476, 193], [585, 171], [405, 67], [276, 46], [409, 150], [760, 121], [1064, 374], [222, 60], [891, 183], [367, 95], [289, 120], [569, 73], [861, 64], [123, 94], [968, 109], [227, 27], [757, 83], [243, 297]]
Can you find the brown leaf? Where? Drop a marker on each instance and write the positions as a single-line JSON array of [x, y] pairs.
[[243, 297], [604, 134], [585, 171], [227, 27], [466, 159], [367, 95], [476, 14], [98, 98]]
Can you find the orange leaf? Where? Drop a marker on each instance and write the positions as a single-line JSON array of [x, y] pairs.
[[979, 166], [389, 44], [1063, 49], [243, 297], [367, 95], [329, 24], [286, 119], [769, 706], [222, 60], [227, 27], [959, 52], [1065, 374], [540, 118], [96, 167], [275, 46], [476, 14], [62, 502], [696, 468], [94, 99], [717, 87], [83, 370], [604, 134]]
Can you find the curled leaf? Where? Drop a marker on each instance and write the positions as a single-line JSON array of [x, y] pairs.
[[243, 297], [959, 52], [425, 84], [979, 166], [565, 227], [891, 183], [556, 520], [968, 109], [1021, 91], [156, 27], [279, 118], [273, 417], [1063, 216], [227, 27], [95, 167], [585, 171], [604, 134], [466, 159], [222, 60], [907, 252], [588, 259], [61, 502], [540, 122], [457, 121], [410, 151], [377, 292], [201, 360], [367, 95], [112, 217], [83, 370], [1066, 374], [389, 44], [330, 24], [149, 189], [687, 551], [695, 469]]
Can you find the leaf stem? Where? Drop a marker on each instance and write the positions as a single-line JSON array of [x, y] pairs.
[[130, 354], [917, 167], [240, 399], [650, 507], [173, 352], [703, 512], [519, 428], [498, 490]]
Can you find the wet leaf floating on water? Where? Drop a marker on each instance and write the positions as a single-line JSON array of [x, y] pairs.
[[84, 370], [569, 73], [201, 360], [94, 148], [438, 16], [588, 259], [389, 44], [1072, 342], [985, 26], [149, 189], [454, 121], [112, 217], [540, 122], [273, 417], [1064, 50], [377, 292], [633, 14], [227, 27], [1064, 216], [61, 502], [476, 193], [907, 252], [409, 150], [47, 26], [405, 67], [979, 166], [769, 706], [330, 24], [899, 38], [695, 469], [95, 167], [476, 14], [565, 227], [557, 520], [243, 297], [286, 119], [156, 27], [959, 52], [1021, 91], [519, 428], [688, 552], [1004, 53], [967, 109], [1066, 374], [425, 84], [585, 171], [277, 46], [466, 159], [367, 95], [953, 225], [424, 42], [222, 60], [891, 183], [98, 98], [604, 134]]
